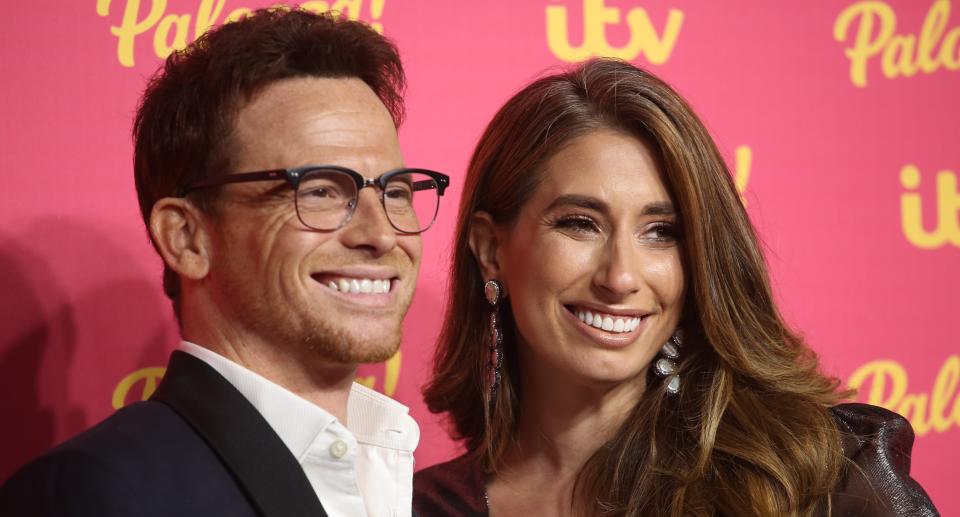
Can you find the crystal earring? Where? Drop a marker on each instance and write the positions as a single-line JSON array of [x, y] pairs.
[[666, 366], [493, 291]]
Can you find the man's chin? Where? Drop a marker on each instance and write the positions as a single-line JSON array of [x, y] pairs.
[[376, 356], [346, 347], [356, 357]]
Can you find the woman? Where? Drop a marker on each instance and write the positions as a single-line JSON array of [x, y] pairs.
[[612, 346]]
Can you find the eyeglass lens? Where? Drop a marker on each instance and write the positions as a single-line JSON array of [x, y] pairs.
[[326, 199]]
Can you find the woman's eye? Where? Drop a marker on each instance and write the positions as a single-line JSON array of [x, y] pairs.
[[662, 232], [578, 224]]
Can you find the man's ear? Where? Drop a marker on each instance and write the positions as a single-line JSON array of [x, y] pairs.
[[181, 237], [485, 243]]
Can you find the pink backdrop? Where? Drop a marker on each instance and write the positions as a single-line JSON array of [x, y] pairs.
[[839, 118]]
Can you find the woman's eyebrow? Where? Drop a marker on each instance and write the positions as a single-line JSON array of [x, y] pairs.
[[579, 200], [664, 208], [659, 208]]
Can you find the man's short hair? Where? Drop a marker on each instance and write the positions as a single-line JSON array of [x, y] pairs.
[[183, 124]]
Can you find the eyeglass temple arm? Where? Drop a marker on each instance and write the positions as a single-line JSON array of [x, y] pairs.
[[276, 174], [439, 183]]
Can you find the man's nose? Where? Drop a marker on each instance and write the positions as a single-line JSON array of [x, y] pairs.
[[369, 227]]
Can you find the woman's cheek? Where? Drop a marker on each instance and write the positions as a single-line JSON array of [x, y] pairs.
[[665, 274]]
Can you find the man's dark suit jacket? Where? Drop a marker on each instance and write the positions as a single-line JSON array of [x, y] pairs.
[[196, 448]]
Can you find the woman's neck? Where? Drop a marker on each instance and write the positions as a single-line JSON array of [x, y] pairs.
[[563, 423]]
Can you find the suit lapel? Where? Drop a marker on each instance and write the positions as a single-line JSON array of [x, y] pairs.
[[244, 441]]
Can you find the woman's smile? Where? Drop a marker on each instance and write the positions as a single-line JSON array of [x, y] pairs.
[[605, 327]]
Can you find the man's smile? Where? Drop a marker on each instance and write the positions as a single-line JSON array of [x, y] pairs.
[[359, 285], [371, 286]]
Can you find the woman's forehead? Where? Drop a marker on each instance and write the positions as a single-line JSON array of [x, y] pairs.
[[605, 165]]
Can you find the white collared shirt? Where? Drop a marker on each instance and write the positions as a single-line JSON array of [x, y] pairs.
[[362, 469]]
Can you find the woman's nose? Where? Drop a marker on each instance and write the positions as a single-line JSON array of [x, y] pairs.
[[618, 270]]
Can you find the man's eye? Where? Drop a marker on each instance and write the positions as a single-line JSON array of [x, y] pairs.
[[320, 193], [317, 192], [398, 193]]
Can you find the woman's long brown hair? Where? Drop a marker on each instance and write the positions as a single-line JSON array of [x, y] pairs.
[[750, 432]]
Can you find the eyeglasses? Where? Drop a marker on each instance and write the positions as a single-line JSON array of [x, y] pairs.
[[326, 196]]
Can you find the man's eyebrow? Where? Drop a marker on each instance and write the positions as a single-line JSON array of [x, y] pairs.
[[282, 190], [278, 189], [664, 208]]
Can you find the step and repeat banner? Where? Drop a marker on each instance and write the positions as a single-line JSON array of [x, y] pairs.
[[839, 119]]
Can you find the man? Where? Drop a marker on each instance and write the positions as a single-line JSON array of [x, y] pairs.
[[254, 151]]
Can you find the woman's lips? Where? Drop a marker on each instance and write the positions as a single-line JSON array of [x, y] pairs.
[[606, 321], [607, 329]]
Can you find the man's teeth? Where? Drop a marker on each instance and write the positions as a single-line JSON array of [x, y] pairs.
[[607, 322], [360, 285]]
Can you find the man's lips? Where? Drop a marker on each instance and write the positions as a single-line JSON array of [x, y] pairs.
[[360, 281], [357, 285]]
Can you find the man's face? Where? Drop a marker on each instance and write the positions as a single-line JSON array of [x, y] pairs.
[[277, 282]]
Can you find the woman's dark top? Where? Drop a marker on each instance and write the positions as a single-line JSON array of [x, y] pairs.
[[876, 440]]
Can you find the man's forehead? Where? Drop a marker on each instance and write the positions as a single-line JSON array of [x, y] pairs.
[[348, 94], [305, 120], [314, 105]]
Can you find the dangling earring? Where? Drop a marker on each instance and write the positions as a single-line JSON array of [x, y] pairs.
[[493, 291], [666, 365]]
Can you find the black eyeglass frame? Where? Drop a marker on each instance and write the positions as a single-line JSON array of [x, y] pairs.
[[295, 174]]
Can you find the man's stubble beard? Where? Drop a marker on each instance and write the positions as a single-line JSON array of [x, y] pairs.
[[338, 346], [298, 329], [299, 332]]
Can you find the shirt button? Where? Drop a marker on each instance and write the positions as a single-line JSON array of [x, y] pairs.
[[338, 449]]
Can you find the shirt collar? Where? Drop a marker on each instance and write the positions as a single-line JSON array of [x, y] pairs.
[[378, 420], [373, 418]]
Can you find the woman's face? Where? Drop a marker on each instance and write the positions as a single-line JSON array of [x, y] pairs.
[[592, 266]]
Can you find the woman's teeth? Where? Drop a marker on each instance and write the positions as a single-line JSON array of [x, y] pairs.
[[607, 322], [360, 285]]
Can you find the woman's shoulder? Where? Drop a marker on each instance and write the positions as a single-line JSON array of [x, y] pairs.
[[454, 488], [867, 428], [876, 480], [865, 419]]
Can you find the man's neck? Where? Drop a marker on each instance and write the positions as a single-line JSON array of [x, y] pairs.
[[296, 369]]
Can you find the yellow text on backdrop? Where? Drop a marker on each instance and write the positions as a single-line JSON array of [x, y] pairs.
[[872, 26], [596, 16], [171, 31], [947, 227], [885, 383]]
